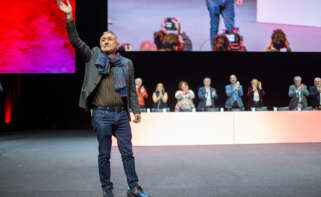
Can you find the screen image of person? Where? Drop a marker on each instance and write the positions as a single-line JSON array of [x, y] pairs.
[[206, 95], [234, 93], [298, 93], [160, 97], [255, 94], [184, 98]]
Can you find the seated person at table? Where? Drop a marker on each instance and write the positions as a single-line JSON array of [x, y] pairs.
[[315, 93], [298, 93], [207, 95], [160, 97], [255, 94], [234, 93], [184, 98], [141, 92]]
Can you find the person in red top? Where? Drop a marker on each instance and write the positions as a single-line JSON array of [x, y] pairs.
[[141, 92]]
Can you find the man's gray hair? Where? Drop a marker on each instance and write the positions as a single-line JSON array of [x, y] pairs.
[[139, 79], [317, 78], [207, 78], [297, 77], [108, 32]]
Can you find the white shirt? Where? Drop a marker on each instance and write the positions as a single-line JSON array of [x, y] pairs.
[[299, 94], [208, 97], [256, 96]]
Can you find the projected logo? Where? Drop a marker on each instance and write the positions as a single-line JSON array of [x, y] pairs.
[[33, 38]]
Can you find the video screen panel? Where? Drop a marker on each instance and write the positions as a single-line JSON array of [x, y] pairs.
[[135, 23], [33, 38]]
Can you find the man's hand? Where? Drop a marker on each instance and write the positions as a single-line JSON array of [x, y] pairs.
[[66, 8], [239, 2], [138, 118], [213, 93]]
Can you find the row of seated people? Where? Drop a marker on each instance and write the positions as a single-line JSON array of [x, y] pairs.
[[298, 93]]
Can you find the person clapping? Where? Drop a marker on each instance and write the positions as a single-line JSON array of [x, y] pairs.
[[184, 98]]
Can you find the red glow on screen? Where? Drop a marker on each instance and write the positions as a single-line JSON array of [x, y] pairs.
[[33, 38]]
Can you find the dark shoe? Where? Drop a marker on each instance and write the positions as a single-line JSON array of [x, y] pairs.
[[108, 193], [136, 192]]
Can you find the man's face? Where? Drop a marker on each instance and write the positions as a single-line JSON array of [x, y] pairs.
[[138, 83], [207, 82], [108, 43], [297, 81], [317, 82], [233, 79]]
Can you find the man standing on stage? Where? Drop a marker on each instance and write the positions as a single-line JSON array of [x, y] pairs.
[[224, 8], [108, 90]]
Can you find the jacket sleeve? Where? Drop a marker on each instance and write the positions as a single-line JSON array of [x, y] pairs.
[[228, 91], [240, 91], [250, 92], [191, 93], [133, 99], [313, 91], [216, 95], [200, 94], [1, 88], [81, 47], [178, 95], [187, 42], [306, 91], [291, 91]]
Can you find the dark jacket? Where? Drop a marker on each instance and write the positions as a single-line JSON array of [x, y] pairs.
[[250, 94], [93, 76], [315, 96], [295, 99], [1, 88], [202, 98]]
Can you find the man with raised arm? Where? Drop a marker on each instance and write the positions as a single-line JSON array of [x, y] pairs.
[[108, 90]]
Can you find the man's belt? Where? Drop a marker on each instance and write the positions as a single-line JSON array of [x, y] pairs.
[[111, 108]]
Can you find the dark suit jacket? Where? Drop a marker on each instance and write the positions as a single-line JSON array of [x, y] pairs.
[[315, 96], [295, 100], [202, 97], [250, 94], [93, 76]]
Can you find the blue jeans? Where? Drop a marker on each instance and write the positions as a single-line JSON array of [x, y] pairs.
[[107, 124], [217, 8]]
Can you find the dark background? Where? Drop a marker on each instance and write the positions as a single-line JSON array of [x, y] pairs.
[[51, 101]]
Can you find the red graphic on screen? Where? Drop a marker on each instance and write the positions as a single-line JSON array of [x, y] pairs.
[[33, 38]]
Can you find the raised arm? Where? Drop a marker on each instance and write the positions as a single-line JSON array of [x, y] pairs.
[[81, 47]]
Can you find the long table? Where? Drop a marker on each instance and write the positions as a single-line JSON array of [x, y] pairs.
[[209, 128]]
